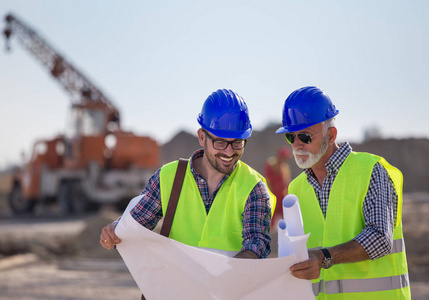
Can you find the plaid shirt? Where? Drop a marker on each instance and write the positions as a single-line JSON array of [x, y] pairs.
[[256, 215], [379, 207]]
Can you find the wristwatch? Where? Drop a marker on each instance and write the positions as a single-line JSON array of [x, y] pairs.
[[327, 261]]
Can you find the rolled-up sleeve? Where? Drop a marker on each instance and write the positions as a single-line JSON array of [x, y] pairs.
[[379, 209], [148, 210], [256, 221]]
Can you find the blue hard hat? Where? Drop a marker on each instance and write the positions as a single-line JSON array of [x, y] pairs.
[[225, 114], [306, 107]]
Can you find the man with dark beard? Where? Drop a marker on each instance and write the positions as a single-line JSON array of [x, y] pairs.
[[351, 203], [224, 204]]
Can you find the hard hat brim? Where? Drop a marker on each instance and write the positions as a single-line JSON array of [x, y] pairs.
[[286, 129], [228, 134]]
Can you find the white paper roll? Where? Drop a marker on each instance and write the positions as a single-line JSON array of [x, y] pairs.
[[292, 215], [283, 242]]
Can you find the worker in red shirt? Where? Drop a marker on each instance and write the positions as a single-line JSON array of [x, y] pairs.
[[277, 174]]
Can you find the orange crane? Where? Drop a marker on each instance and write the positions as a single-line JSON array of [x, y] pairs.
[[99, 163]]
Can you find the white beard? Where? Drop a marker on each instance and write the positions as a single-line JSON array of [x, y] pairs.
[[312, 158]]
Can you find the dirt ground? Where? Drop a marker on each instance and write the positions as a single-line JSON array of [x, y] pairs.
[[59, 258]]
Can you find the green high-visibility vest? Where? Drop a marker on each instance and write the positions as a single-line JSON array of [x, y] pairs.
[[383, 278], [222, 227]]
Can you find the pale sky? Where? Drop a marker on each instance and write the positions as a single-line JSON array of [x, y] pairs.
[[157, 61]]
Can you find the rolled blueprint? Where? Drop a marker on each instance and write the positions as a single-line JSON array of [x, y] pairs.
[[291, 238], [284, 246], [288, 245], [292, 215]]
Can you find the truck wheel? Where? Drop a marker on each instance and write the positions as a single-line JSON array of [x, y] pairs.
[[18, 203], [79, 202], [64, 197]]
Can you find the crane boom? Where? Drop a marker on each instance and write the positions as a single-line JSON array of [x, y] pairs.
[[74, 82]]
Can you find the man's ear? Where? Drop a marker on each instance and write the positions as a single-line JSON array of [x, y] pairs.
[[332, 135], [201, 137]]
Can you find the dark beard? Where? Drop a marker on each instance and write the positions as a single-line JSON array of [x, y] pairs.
[[213, 162]]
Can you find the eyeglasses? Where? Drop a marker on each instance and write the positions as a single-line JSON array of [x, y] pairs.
[[303, 137], [222, 144]]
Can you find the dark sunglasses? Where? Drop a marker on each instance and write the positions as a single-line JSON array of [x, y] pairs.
[[303, 137]]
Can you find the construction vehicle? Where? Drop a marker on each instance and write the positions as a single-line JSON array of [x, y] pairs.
[[99, 163]]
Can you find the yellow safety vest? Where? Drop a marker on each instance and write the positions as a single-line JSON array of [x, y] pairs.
[[383, 278], [222, 227]]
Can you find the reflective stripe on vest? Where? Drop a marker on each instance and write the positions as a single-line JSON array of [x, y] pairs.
[[361, 285], [317, 287], [366, 285]]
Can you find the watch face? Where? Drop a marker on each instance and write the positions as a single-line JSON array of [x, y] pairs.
[[327, 263]]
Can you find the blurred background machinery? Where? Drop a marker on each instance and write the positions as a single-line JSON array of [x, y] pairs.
[[97, 162]]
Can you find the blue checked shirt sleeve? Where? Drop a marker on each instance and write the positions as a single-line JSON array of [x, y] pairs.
[[379, 209], [256, 221]]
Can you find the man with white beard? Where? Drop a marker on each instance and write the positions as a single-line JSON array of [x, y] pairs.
[[351, 203]]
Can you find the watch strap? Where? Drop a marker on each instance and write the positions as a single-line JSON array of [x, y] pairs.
[[326, 253], [328, 260]]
